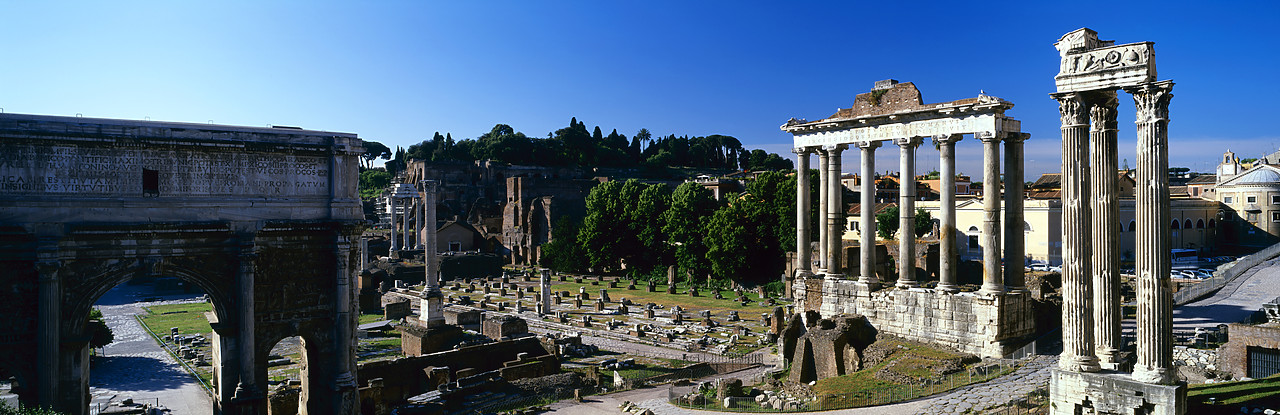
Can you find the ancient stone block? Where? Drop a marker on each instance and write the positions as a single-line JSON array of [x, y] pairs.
[[504, 326]]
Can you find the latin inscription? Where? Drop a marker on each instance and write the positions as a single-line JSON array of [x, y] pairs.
[[922, 128], [118, 171]]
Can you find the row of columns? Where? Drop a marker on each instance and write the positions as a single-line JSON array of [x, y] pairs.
[[995, 276], [407, 216], [1090, 275]]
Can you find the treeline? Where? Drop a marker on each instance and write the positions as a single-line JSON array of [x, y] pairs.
[[575, 145], [640, 229]]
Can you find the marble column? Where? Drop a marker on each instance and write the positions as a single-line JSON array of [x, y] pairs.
[[867, 247], [907, 211], [947, 252], [804, 261], [1105, 207], [395, 235], [1077, 319], [248, 388], [823, 195], [1015, 249], [1155, 296], [544, 287], [992, 282], [835, 210], [432, 306], [48, 325], [345, 319]]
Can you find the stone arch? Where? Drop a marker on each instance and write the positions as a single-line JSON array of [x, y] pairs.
[[1212, 224], [1186, 224], [1200, 223], [1133, 226], [96, 286], [1174, 225]]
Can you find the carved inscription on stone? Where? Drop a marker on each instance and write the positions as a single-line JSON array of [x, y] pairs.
[[921, 128], [100, 171]]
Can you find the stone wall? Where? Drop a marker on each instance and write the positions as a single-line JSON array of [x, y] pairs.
[[984, 325], [1233, 357], [407, 376], [1113, 393], [1199, 358]]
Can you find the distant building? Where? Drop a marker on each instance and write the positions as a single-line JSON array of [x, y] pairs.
[[1252, 202]]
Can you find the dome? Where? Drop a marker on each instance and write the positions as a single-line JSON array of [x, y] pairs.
[[1260, 176]]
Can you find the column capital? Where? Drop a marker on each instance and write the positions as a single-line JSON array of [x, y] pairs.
[[835, 147], [947, 139], [1016, 137], [868, 145], [1072, 109], [908, 141], [1102, 111], [988, 136], [803, 151], [1152, 101]]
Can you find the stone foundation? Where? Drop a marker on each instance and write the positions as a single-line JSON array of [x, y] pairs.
[[1233, 357], [1113, 393], [985, 325]]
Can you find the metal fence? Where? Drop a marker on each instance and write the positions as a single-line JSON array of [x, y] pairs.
[[700, 397], [1225, 274]]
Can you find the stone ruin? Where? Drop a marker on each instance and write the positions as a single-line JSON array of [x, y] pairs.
[[832, 347]]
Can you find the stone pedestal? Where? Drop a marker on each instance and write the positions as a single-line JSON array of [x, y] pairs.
[[1112, 393]]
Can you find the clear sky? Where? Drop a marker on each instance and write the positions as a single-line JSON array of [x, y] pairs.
[[395, 72]]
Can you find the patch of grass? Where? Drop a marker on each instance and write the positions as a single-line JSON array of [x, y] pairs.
[[366, 318], [910, 359], [704, 301], [1262, 392], [188, 318]]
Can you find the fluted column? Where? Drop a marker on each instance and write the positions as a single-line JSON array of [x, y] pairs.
[[803, 246], [1155, 298], [992, 283], [823, 195], [423, 222], [1105, 207], [835, 210], [345, 319], [1015, 249], [395, 235], [907, 211], [947, 212], [867, 247], [1077, 324]]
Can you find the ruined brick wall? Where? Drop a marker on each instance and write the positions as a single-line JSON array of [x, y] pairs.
[[405, 377], [1233, 357]]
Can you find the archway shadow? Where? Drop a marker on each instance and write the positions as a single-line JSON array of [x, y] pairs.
[[138, 373]]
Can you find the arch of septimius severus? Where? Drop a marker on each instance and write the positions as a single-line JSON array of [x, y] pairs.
[[987, 322], [1091, 377]]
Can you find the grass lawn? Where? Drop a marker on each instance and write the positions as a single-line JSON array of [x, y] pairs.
[[188, 318], [1230, 395], [914, 360], [704, 301]]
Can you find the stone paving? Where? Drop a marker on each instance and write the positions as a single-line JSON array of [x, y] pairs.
[[1235, 301], [1033, 374], [134, 366]]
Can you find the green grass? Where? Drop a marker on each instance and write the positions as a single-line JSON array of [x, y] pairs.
[[911, 359], [704, 301], [366, 318], [188, 318], [1230, 395]]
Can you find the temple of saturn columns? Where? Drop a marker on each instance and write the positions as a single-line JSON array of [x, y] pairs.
[[1090, 377], [988, 322]]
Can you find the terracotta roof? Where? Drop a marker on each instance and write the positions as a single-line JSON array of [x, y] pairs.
[[856, 208], [1203, 179], [1048, 180]]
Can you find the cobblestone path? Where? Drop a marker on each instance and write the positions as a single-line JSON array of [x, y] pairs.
[[1033, 374]]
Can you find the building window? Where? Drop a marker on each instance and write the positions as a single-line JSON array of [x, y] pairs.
[[1199, 223], [1133, 226], [1251, 199], [1174, 225], [455, 246], [1186, 224], [150, 182], [1275, 199], [1226, 199], [1275, 216]]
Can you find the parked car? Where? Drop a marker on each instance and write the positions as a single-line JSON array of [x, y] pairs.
[[1039, 267]]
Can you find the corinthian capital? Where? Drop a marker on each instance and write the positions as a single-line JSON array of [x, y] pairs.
[[1102, 110], [1071, 107], [867, 145], [1152, 101], [939, 140]]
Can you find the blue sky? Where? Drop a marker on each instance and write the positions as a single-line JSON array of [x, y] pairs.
[[396, 72]]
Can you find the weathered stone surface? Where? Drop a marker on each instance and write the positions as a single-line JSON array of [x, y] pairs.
[[831, 348], [504, 326]]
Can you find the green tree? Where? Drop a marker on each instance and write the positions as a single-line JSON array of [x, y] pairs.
[[599, 235], [887, 223], [372, 182], [563, 253], [646, 223], [691, 207], [374, 150], [99, 334]]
